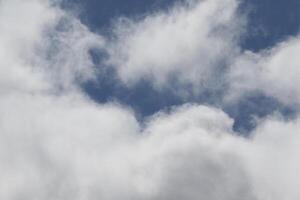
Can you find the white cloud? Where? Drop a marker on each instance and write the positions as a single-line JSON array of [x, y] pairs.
[[21, 25], [274, 72], [42, 44], [272, 160], [70, 148], [196, 44], [64, 146], [189, 42]]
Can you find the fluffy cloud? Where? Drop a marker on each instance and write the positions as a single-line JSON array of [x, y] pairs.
[[187, 44], [272, 160], [194, 47], [42, 46], [58, 144], [274, 72], [20, 28], [70, 148]]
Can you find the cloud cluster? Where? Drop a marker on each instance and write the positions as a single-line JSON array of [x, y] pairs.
[[56, 143]]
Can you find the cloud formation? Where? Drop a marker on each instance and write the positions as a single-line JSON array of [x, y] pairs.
[[274, 72], [187, 43], [56, 143]]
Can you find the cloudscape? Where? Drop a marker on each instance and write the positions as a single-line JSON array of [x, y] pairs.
[[154, 100]]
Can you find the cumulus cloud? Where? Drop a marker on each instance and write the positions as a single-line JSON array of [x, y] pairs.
[[56, 143], [189, 44], [274, 72]]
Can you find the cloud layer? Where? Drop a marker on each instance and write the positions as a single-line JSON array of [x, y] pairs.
[[56, 143]]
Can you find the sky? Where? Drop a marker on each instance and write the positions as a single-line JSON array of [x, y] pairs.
[[149, 99]]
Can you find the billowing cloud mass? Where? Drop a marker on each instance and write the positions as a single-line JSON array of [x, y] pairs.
[[274, 72], [56, 143], [187, 44]]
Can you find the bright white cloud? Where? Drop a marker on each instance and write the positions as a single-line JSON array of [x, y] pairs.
[[64, 146], [272, 160], [21, 24], [274, 72], [188, 43]]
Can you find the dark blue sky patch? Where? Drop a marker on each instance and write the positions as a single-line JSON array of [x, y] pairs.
[[269, 22], [142, 97], [99, 15]]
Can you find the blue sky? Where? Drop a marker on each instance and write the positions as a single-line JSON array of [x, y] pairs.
[[268, 23]]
